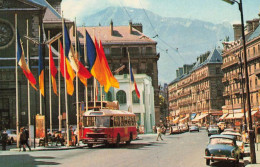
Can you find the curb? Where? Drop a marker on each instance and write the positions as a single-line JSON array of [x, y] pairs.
[[49, 148]]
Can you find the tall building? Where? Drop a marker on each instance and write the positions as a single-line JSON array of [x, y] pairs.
[[118, 41], [197, 91], [234, 79]]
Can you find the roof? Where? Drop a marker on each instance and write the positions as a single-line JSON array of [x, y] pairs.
[[108, 112], [214, 57], [51, 14], [231, 133], [223, 136], [121, 35], [255, 34]]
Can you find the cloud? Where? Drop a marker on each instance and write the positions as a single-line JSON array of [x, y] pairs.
[[79, 8]]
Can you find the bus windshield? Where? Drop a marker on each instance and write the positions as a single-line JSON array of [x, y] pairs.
[[93, 121]]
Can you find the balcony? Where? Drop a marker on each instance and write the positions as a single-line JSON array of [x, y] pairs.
[[225, 80], [226, 93], [237, 91], [235, 76], [230, 63]]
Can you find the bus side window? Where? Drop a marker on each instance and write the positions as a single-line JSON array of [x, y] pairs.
[[111, 121], [122, 123]]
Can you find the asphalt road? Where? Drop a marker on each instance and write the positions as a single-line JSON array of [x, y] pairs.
[[181, 150]]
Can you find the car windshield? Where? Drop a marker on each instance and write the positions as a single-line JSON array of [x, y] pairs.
[[96, 121], [225, 141]]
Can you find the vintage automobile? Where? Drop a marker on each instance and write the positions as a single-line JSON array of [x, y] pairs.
[[183, 127], [175, 129], [213, 130], [194, 128], [12, 137], [222, 148], [239, 141]]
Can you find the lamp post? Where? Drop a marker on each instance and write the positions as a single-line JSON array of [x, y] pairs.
[[251, 135]]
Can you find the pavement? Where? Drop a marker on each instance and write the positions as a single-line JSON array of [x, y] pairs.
[[247, 159]]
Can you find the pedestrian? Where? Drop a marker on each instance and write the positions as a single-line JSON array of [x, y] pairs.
[[22, 137], [159, 132], [26, 131], [4, 139]]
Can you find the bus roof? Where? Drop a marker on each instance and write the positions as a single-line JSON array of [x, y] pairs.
[[108, 112]]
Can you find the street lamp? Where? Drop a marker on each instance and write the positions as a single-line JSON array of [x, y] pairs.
[[251, 135]]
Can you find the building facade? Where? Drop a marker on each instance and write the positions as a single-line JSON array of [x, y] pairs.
[[234, 78], [143, 108], [198, 92]]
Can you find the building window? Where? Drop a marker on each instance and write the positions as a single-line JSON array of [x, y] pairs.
[[149, 50], [256, 82], [135, 98], [121, 97], [115, 51], [218, 70], [109, 96], [107, 51], [253, 51]]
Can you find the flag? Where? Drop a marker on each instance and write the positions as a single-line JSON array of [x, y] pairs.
[[83, 73], [111, 80], [53, 71], [41, 70], [69, 81], [133, 81], [22, 63], [95, 66]]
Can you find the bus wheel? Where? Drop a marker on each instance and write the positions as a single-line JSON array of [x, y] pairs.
[[90, 145], [117, 140], [130, 139]]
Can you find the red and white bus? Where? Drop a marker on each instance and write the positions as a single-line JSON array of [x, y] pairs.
[[108, 126]]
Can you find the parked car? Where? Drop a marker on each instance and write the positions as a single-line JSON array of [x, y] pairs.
[[175, 129], [222, 148], [213, 130], [12, 137], [194, 128], [239, 141], [221, 125], [230, 130]]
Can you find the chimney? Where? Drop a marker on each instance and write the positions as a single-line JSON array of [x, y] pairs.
[[138, 26], [255, 24], [130, 26], [56, 5], [249, 25], [237, 31], [111, 28]]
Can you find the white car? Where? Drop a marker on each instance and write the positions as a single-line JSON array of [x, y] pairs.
[[239, 140], [12, 137]]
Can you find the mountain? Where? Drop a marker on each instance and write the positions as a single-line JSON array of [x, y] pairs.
[[180, 40]]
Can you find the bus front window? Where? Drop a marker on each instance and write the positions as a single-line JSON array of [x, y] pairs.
[[89, 121], [103, 121]]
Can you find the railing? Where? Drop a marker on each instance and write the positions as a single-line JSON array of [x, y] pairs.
[[237, 91], [226, 93], [230, 63], [257, 72], [235, 76]]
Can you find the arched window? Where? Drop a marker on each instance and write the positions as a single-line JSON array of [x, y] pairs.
[[121, 97], [109, 96], [135, 98]]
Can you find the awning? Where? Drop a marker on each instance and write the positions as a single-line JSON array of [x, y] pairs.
[[253, 112], [198, 117], [223, 116], [185, 118], [236, 116]]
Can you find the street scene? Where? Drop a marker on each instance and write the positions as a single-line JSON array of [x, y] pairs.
[[130, 83]]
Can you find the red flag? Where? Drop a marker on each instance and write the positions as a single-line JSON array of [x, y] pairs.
[[53, 71]]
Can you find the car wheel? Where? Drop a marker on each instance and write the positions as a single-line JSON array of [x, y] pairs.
[[207, 161], [117, 140], [90, 145], [130, 139]]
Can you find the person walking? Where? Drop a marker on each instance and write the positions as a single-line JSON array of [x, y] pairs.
[[4, 139], [22, 137], [26, 132], [159, 132]]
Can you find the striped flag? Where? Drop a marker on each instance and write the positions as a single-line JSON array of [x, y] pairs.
[[53, 71], [22, 63], [41, 70], [133, 81]]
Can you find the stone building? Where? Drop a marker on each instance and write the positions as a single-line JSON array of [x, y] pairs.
[[46, 15], [233, 59], [118, 41], [197, 90]]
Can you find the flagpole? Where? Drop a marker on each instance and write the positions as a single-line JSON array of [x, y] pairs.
[[39, 74], [101, 96], [130, 86], [59, 86], [95, 86], [85, 58], [77, 86], [50, 85], [66, 96], [28, 83], [16, 87]]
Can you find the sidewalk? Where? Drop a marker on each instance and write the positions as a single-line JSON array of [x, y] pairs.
[[50, 148], [247, 160]]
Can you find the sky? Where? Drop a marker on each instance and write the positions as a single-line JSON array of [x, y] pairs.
[[215, 11]]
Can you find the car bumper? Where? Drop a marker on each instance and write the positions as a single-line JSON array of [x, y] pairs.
[[220, 158], [97, 141]]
